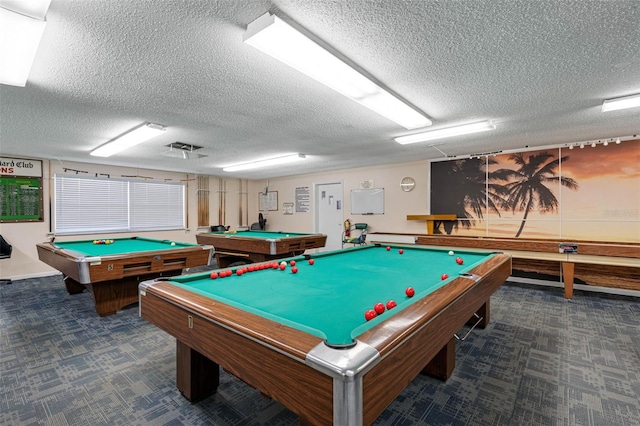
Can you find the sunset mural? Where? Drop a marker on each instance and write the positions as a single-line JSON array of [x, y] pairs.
[[559, 193]]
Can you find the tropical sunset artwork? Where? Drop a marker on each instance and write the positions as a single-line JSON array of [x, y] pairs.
[[590, 193]]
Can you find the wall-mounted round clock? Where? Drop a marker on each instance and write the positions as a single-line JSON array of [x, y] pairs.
[[407, 184]]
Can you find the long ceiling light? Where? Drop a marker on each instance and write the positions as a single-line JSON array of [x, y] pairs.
[[132, 138], [621, 103], [278, 39], [21, 28], [446, 133], [265, 163]]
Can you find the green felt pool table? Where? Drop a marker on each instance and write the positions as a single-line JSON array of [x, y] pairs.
[[112, 272], [241, 247], [302, 338]]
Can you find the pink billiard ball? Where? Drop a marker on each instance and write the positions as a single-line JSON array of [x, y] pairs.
[[444, 277], [400, 251], [391, 304], [410, 291], [379, 308], [213, 275], [311, 261], [239, 272], [459, 260], [370, 314], [388, 248], [294, 270], [292, 263]]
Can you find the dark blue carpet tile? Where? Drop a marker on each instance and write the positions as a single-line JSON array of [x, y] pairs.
[[542, 360]]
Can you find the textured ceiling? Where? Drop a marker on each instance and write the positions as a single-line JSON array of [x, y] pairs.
[[539, 69]]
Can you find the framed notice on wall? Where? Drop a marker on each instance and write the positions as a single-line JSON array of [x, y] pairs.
[[268, 201]]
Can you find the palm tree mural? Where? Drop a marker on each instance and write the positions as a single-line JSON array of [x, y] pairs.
[[469, 192], [526, 187]]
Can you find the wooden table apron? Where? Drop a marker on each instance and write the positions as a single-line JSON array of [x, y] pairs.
[[321, 384]]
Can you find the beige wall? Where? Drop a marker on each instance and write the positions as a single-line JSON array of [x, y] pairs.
[[240, 201]]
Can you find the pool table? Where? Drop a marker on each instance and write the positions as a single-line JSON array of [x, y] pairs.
[[112, 272], [242, 247], [302, 338]]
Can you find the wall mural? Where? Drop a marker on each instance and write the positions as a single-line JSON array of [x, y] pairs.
[[560, 193]]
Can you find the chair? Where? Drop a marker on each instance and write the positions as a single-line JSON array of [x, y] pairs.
[[5, 253], [357, 240]]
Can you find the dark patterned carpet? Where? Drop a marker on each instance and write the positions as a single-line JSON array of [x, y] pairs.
[[543, 360]]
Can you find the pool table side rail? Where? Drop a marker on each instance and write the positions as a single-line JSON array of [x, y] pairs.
[[441, 315]]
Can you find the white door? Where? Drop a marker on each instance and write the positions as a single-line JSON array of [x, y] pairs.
[[329, 217]]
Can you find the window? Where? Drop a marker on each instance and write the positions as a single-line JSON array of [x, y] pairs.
[[93, 205]]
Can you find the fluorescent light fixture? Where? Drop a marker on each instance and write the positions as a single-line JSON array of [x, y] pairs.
[[289, 158], [446, 133], [132, 138], [625, 102], [19, 39], [280, 40]]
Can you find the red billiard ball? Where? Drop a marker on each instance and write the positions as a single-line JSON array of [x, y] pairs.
[[444, 276], [214, 275], [379, 308], [294, 270], [391, 304], [388, 248], [311, 261], [292, 263], [239, 272], [459, 260], [400, 251], [274, 265], [370, 314], [283, 266], [410, 291]]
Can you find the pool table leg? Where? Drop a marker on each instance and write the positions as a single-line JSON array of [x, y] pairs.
[[197, 376], [442, 365], [73, 286]]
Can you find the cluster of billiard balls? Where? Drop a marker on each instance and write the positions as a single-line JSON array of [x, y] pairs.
[[379, 307], [257, 267], [103, 241]]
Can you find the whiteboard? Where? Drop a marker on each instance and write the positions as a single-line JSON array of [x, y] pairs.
[[367, 201]]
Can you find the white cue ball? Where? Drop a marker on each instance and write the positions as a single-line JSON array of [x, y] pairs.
[[450, 253], [173, 244]]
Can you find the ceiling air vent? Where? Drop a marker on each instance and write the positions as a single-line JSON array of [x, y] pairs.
[[185, 151]]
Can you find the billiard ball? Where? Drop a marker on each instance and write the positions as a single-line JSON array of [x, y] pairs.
[[410, 291], [444, 276], [379, 308], [173, 244], [388, 248], [95, 241], [294, 270], [391, 304], [239, 272], [450, 253], [400, 251], [213, 275], [370, 314], [283, 266], [274, 265], [292, 263], [311, 261], [459, 260]]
